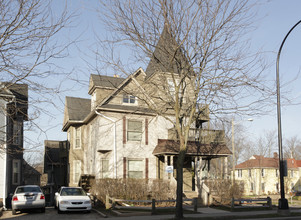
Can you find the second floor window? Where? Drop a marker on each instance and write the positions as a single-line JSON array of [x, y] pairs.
[[134, 130], [17, 132], [239, 173], [250, 173], [129, 99], [77, 143], [276, 172], [262, 172]]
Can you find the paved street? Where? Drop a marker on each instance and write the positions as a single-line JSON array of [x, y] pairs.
[[50, 213]]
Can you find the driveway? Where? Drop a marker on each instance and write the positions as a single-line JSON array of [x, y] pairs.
[[50, 213]]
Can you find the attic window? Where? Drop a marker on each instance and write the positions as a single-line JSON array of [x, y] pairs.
[[129, 99]]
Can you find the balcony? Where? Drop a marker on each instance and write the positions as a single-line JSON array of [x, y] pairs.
[[204, 136]]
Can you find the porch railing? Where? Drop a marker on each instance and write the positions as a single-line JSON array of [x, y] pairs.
[[204, 136]]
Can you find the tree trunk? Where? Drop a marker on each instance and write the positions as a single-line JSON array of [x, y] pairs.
[[179, 200]]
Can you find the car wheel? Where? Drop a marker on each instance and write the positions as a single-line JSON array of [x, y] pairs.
[[58, 210], [13, 211], [43, 210]]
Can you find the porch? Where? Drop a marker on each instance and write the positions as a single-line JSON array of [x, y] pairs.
[[197, 165]]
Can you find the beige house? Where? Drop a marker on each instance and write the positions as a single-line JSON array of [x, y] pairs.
[[116, 134], [261, 175]]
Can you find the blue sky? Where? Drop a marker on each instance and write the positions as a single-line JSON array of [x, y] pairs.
[[275, 18]]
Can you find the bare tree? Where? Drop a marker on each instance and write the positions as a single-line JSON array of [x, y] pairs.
[[293, 148], [205, 53], [28, 46]]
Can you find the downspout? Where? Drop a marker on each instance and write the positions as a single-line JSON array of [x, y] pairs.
[[115, 145]]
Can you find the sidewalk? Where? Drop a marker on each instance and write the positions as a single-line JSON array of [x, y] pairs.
[[206, 213]]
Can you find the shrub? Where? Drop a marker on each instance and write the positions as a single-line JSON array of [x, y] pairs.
[[132, 189]]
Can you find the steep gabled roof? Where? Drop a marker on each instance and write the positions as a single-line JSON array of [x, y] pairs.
[[257, 161], [77, 108], [100, 81], [167, 56]]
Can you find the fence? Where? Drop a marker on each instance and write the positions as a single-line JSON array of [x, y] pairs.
[[245, 201], [111, 202]]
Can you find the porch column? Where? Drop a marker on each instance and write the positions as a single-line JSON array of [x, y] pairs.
[[226, 168], [165, 175], [198, 174], [171, 164]]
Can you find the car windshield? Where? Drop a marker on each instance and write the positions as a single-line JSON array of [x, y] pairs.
[[24, 189], [73, 192]]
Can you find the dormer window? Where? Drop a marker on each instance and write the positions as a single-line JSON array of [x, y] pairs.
[[129, 99]]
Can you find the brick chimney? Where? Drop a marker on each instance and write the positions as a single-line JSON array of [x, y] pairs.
[[275, 155]]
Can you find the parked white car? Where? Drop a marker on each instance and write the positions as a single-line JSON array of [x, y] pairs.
[[28, 197], [72, 199]]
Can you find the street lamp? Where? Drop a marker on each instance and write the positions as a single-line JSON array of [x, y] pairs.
[[233, 150], [282, 203]]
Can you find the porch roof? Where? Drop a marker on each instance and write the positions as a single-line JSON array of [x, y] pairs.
[[194, 148]]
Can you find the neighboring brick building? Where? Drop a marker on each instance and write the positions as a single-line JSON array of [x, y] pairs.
[[261, 175]]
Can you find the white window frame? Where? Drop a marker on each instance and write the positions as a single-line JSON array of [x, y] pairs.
[[77, 138], [262, 172], [239, 173], [129, 131], [129, 99], [105, 169], [77, 165], [18, 172], [139, 169]]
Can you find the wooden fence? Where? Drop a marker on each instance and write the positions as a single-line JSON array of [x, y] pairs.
[[111, 202], [250, 202]]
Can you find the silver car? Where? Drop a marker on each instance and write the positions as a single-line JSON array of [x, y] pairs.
[[28, 197], [72, 199]]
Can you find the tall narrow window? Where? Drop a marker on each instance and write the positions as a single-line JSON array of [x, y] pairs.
[[17, 132], [250, 173], [276, 173], [262, 172], [239, 173], [252, 187], [134, 131], [16, 172], [105, 168], [292, 173], [135, 168], [262, 187], [76, 171], [77, 135]]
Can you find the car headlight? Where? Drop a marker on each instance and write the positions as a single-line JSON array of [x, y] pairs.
[[87, 202], [64, 202]]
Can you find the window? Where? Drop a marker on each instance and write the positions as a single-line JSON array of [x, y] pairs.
[[262, 187], [76, 171], [105, 168], [16, 172], [262, 172], [292, 173], [134, 131], [277, 187], [17, 132], [129, 99], [77, 143], [239, 173], [276, 173], [252, 187], [135, 169], [250, 173]]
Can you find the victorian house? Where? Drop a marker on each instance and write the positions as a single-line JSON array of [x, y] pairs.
[[13, 112], [117, 134]]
